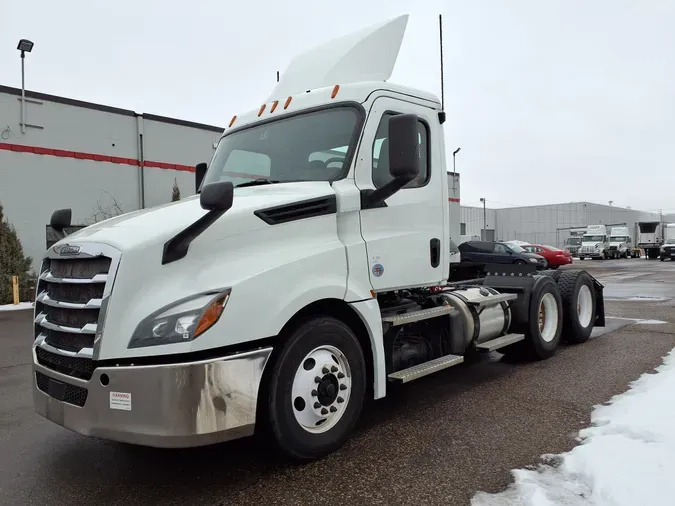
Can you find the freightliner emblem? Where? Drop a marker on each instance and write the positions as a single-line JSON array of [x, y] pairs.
[[69, 249]]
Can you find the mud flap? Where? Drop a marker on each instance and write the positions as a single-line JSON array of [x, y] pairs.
[[599, 303]]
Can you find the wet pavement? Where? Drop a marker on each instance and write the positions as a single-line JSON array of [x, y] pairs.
[[436, 440]]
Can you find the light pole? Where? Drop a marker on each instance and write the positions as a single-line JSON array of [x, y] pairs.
[[25, 46], [484, 221], [610, 211], [454, 153]]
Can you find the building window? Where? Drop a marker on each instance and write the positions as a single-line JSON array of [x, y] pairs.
[[462, 229], [381, 174]]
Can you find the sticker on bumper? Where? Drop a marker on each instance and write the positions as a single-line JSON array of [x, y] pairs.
[[120, 400]]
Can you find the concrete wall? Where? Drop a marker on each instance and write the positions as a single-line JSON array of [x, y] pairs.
[[87, 157]]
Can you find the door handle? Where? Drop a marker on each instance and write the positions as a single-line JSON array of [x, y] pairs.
[[435, 252]]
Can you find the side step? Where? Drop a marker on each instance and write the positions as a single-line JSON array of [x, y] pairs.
[[500, 342], [420, 370], [415, 316]]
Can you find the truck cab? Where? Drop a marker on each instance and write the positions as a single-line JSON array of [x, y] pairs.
[[620, 242], [309, 272], [595, 243]]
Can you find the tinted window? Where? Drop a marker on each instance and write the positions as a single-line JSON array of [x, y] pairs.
[[306, 147], [500, 248], [381, 174]]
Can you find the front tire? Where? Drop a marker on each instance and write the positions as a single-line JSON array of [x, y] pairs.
[[317, 389]]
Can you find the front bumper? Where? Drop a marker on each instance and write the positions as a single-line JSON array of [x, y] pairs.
[[168, 405]]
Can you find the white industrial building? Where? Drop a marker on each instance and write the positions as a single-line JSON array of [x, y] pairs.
[[101, 160], [546, 224]]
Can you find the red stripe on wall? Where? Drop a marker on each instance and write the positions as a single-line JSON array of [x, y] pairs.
[[451, 199], [20, 148]]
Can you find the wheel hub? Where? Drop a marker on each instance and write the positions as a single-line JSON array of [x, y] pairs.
[[542, 317], [321, 389]]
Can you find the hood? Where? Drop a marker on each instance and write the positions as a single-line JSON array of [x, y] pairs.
[[160, 223]]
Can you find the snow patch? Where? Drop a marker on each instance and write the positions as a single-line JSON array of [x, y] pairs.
[[626, 458], [650, 322], [16, 307]]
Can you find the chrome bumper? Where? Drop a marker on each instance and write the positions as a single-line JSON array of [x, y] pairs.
[[170, 406]]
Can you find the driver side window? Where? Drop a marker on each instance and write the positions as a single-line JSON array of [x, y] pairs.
[[500, 248], [380, 167]]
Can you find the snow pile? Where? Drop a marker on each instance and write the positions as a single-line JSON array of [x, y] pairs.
[[15, 307], [627, 458]]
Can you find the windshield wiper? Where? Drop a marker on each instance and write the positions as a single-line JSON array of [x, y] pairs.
[[257, 182]]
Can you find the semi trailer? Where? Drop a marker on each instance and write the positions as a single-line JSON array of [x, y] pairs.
[[650, 238], [279, 302]]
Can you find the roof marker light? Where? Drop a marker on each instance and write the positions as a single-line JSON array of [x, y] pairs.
[[274, 106], [262, 109], [288, 102], [335, 91], [234, 118]]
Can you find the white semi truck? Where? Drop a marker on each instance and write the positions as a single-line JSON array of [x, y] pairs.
[[573, 242], [650, 238], [595, 243], [621, 243], [280, 302]]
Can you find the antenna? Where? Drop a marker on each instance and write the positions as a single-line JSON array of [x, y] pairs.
[[277, 76], [440, 33]]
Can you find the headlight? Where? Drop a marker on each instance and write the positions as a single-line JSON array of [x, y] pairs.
[[182, 321], [534, 260]]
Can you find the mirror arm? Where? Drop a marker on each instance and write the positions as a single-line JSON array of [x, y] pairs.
[[372, 199], [177, 247]]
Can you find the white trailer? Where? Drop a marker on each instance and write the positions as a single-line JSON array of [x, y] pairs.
[[280, 303], [650, 237]]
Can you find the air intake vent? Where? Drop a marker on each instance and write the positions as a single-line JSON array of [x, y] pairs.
[[298, 210]]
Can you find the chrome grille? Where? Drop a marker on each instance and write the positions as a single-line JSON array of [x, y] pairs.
[[70, 306]]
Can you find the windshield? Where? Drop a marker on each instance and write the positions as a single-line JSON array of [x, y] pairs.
[[308, 147], [619, 238], [573, 241], [594, 238], [515, 248]]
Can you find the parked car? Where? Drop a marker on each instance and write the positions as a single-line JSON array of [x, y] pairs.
[[554, 256], [498, 253]]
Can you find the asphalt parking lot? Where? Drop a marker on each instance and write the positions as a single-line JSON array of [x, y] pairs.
[[437, 440]]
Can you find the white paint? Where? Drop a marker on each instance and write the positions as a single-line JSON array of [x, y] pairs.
[[627, 456], [651, 322], [16, 307], [120, 401], [365, 55]]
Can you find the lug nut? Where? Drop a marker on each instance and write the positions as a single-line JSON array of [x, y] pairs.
[[333, 369], [325, 370], [317, 379], [343, 387], [317, 405], [333, 409], [341, 375], [324, 411], [340, 400], [314, 393]]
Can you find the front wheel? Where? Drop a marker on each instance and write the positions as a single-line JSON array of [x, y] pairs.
[[316, 390], [519, 262]]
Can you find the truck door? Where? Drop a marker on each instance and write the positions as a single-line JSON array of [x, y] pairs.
[[406, 240]]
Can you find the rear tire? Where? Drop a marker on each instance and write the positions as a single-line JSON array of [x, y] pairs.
[[544, 325], [326, 349], [552, 273], [578, 303]]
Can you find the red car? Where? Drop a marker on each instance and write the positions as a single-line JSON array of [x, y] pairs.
[[554, 256]]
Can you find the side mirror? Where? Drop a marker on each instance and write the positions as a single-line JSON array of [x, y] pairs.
[[200, 172], [404, 157], [217, 196], [61, 219], [404, 160]]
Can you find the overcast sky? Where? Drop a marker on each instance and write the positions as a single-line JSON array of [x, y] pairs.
[[550, 100]]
